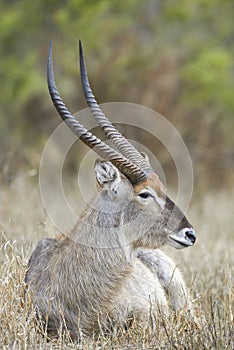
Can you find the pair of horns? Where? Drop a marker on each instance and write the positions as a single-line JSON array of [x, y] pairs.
[[126, 158]]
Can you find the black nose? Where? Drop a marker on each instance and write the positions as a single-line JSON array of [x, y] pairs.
[[191, 235]]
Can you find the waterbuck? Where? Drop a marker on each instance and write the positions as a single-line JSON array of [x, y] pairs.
[[109, 268]]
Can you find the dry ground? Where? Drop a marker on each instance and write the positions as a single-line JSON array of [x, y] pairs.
[[207, 267]]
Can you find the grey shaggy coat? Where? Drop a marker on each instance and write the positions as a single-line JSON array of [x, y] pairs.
[[109, 269]]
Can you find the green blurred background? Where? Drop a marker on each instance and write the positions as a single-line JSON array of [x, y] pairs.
[[175, 57]]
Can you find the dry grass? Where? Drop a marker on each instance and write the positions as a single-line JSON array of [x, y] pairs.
[[207, 268]]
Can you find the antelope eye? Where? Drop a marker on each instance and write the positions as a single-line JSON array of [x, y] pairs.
[[144, 195]]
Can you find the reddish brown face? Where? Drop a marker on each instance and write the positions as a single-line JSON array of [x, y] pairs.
[[152, 182], [180, 232]]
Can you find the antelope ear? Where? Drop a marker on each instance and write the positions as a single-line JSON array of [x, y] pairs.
[[107, 175]]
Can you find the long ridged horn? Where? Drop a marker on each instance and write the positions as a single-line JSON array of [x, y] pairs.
[[129, 169], [121, 143]]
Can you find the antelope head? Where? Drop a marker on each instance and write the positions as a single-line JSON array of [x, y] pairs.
[[125, 175]]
